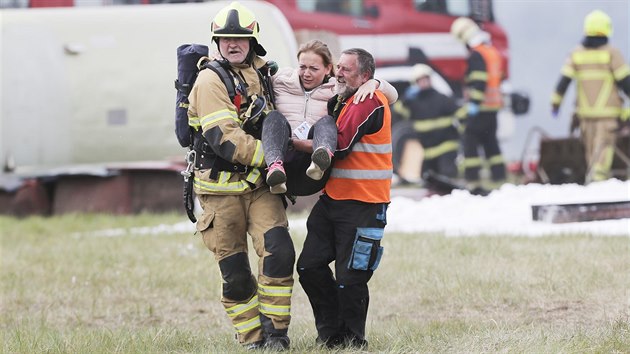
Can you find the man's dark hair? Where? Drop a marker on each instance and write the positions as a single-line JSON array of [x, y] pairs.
[[365, 60]]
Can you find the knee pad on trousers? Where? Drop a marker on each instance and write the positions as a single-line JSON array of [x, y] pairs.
[[239, 283], [279, 263]]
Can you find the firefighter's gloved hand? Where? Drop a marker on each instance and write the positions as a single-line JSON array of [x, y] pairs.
[[411, 92], [472, 108]]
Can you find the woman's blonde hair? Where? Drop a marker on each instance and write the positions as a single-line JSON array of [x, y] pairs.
[[320, 48]]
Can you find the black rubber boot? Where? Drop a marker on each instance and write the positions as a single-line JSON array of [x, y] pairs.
[[275, 339]]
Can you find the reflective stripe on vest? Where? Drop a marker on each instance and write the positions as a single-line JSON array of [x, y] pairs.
[[493, 99], [365, 174]]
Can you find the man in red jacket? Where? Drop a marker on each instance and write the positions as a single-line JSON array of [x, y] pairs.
[[346, 224]]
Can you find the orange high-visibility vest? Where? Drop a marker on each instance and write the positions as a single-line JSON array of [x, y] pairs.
[[366, 172], [493, 99]]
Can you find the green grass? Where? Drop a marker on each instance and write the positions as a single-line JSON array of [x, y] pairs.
[[69, 287]]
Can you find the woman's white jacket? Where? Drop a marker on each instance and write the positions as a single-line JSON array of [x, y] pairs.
[[297, 105]]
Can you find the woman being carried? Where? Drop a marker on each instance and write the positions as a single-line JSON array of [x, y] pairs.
[[301, 97]]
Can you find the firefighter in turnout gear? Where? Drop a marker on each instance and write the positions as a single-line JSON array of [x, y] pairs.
[[483, 101], [346, 224], [229, 182], [601, 73], [432, 118]]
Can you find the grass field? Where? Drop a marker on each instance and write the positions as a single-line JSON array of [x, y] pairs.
[[67, 289]]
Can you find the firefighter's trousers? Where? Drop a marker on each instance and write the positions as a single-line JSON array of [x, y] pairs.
[[339, 301], [481, 132], [258, 306], [598, 136], [443, 164]]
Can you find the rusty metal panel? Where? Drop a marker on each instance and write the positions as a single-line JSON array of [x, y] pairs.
[[156, 191], [92, 194], [563, 213], [31, 198], [129, 192]]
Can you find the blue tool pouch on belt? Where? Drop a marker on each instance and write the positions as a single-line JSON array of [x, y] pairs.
[[367, 250]]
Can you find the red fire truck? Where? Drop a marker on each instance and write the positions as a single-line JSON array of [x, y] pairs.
[[399, 33]]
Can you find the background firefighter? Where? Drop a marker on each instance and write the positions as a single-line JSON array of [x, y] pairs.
[[429, 117], [484, 74], [229, 183], [600, 72]]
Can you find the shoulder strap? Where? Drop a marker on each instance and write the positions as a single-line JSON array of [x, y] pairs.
[[226, 77], [264, 77]]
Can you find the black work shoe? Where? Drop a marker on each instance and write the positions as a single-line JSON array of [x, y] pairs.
[[254, 346], [277, 342], [330, 342], [342, 341], [356, 343]]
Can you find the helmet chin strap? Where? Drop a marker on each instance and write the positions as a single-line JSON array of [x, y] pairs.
[[249, 59]]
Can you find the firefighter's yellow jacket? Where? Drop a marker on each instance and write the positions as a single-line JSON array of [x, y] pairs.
[[212, 111]]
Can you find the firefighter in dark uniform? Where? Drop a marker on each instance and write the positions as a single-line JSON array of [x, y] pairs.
[[229, 183], [601, 73], [433, 119], [346, 224], [482, 92]]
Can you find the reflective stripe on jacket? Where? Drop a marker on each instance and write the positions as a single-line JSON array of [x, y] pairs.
[[492, 98], [365, 173], [596, 70]]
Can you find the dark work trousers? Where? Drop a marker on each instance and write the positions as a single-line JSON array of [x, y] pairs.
[[340, 301], [275, 138], [481, 131]]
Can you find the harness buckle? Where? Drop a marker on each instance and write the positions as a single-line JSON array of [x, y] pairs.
[[190, 158]]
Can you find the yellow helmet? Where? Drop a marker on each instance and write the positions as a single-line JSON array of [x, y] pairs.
[[236, 20], [463, 29], [597, 23]]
